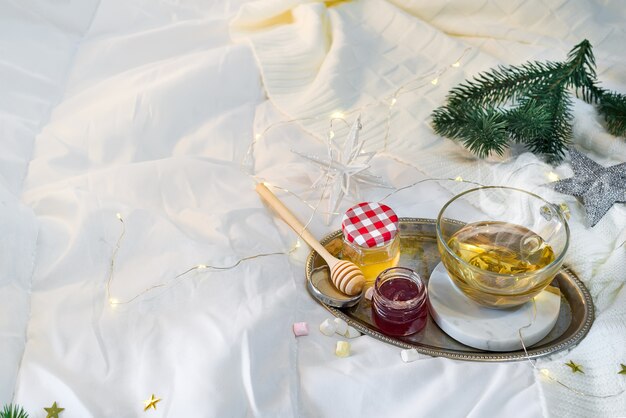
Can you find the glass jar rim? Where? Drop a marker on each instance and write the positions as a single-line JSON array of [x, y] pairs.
[[370, 250], [439, 233], [400, 273]]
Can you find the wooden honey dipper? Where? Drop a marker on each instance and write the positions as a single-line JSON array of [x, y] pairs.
[[345, 275]]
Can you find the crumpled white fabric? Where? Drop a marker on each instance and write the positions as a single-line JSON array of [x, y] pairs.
[[146, 109], [318, 58], [17, 256]]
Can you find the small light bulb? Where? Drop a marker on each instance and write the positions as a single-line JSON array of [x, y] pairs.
[[458, 178], [113, 301], [456, 64], [393, 101], [201, 266], [337, 115], [545, 372], [257, 136], [552, 176], [119, 216], [331, 134], [297, 244], [435, 81]]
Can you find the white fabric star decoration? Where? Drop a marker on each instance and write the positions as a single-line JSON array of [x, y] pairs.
[[345, 168], [598, 187]]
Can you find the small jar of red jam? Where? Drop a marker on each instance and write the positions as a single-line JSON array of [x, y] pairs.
[[399, 305]]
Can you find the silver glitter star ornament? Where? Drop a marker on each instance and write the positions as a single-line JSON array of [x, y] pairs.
[[598, 187], [345, 168]]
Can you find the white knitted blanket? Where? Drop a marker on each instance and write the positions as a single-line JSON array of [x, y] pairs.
[[318, 58]]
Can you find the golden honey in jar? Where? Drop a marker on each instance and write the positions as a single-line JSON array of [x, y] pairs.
[[370, 238]]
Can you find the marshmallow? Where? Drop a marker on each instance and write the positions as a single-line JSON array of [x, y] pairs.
[[409, 355], [369, 293], [342, 326], [300, 329], [342, 349], [352, 332], [328, 327]]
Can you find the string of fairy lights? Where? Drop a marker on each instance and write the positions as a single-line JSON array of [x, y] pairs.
[[417, 83], [248, 160], [546, 373], [247, 166]]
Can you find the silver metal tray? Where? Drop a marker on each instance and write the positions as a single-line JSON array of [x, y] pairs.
[[419, 252]]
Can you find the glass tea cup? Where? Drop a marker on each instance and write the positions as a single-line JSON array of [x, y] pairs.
[[501, 245]]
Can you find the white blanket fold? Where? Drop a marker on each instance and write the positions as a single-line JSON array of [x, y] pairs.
[[376, 47]]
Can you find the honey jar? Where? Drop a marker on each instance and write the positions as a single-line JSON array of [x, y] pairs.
[[370, 238]]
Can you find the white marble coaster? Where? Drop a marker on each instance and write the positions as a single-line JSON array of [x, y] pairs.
[[485, 328]]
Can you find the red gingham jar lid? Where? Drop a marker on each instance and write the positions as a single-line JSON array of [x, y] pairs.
[[370, 225]]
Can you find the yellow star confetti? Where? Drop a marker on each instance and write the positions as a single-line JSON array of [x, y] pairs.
[[623, 371], [151, 403], [576, 368], [53, 411]]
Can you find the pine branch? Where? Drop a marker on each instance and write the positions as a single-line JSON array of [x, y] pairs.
[[553, 141], [529, 120], [500, 85], [539, 105], [508, 83], [613, 107], [581, 58], [582, 73], [482, 130], [13, 411]]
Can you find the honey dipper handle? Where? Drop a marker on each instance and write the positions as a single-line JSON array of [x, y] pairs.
[[293, 222]]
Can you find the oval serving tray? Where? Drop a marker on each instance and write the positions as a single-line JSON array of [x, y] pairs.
[[419, 251]]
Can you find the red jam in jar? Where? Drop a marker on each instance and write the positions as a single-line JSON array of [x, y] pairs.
[[399, 305]]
